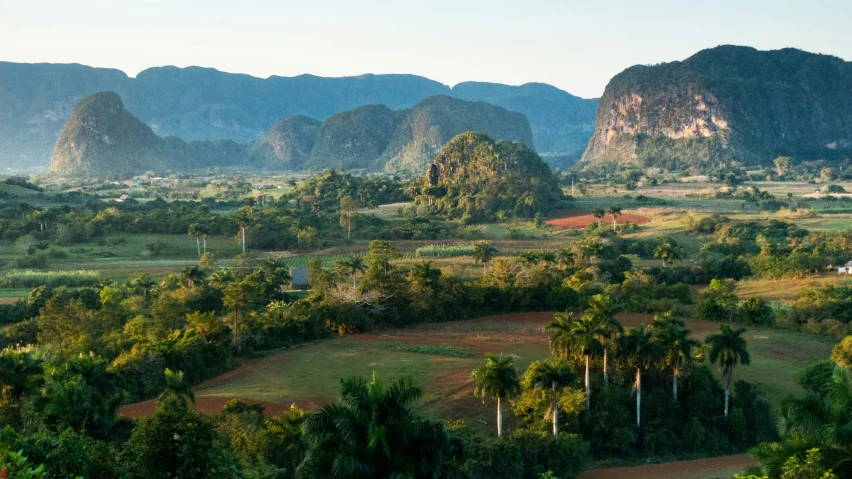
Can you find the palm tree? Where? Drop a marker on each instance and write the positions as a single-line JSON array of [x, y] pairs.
[[556, 374], [602, 311], [353, 265], [565, 258], [676, 343], [499, 380], [728, 349], [529, 258], [176, 386], [820, 420], [250, 203], [598, 213], [575, 338], [425, 274], [615, 211], [639, 350], [483, 253], [667, 252], [373, 431], [192, 276], [195, 230]]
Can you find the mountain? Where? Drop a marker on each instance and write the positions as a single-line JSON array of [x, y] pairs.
[[101, 137], [354, 140], [476, 179], [288, 144], [727, 102], [561, 123], [430, 124], [206, 104]]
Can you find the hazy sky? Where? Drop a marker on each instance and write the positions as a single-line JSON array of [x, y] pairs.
[[575, 45]]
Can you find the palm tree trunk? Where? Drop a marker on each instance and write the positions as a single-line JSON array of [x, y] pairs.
[[205, 244], [198, 245], [606, 374], [674, 381], [555, 406], [499, 417], [638, 398], [728, 375], [588, 388], [244, 239]]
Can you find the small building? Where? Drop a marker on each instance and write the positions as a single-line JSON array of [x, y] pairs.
[[846, 269], [123, 198], [299, 278]]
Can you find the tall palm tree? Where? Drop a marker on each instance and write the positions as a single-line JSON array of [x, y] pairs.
[[176, 386], [556, 375], [565, 258], [353, 265], [498, 379], [575, 339], [639, 350], [602, 311], [195, 230], [676, 343], [373, 431], [598, 213], [483, 253], [728, 349], [424, 273], [615, 212]]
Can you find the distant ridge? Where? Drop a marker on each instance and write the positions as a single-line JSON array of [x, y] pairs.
[[206, 104]]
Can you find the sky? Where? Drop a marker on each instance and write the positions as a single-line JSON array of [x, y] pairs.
[[575, 45]]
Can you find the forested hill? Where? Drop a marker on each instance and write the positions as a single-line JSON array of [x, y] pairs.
[[206, 104], [727, 102]]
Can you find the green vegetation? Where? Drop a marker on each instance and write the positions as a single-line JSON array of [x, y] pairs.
[[435, 349], [444, 251], [34, 279]]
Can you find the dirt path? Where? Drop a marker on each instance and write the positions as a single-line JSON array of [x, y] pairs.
[[674, 470]]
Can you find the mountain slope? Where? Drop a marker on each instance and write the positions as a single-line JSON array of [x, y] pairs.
[[726, 103], [430, 124], [101, 137], [561, 123], [354, 140], [288, 144]]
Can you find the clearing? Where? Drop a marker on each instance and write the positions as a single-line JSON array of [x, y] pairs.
[[581, 221]]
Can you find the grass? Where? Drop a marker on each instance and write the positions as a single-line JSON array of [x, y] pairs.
[[33, 279], [444, 251], [435, 349], [784, 289]]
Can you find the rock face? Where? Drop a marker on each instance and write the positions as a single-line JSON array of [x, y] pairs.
[[726, 102], [200, 104], [101, 137], [288, 144], [427, 127]]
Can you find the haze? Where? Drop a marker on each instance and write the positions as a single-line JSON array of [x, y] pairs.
[[571, 44]]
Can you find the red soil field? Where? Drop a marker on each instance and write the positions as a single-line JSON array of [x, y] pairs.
[[580, 222], [673, 470]]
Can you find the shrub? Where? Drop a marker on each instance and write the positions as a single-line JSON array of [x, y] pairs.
[[34, 279]]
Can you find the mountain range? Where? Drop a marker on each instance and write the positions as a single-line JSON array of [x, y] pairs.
[[103, 137], [726, 103], [198, 104]]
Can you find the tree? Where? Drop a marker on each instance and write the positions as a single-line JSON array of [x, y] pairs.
[[667, 252], [497, 379], [348, 210], [380, 254], [195, 230], [250, 203], [598, 213], [351, 266], [728, 349], [602, 311], [842, 353], [374, 432], [556, 375], [615, 212], [639, 350], [483, 253], [676, 345], [783, 165], [574, 339], [565, 258]]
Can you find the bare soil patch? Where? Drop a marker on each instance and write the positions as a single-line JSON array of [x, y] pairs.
[[673, 470], [580, 222]]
